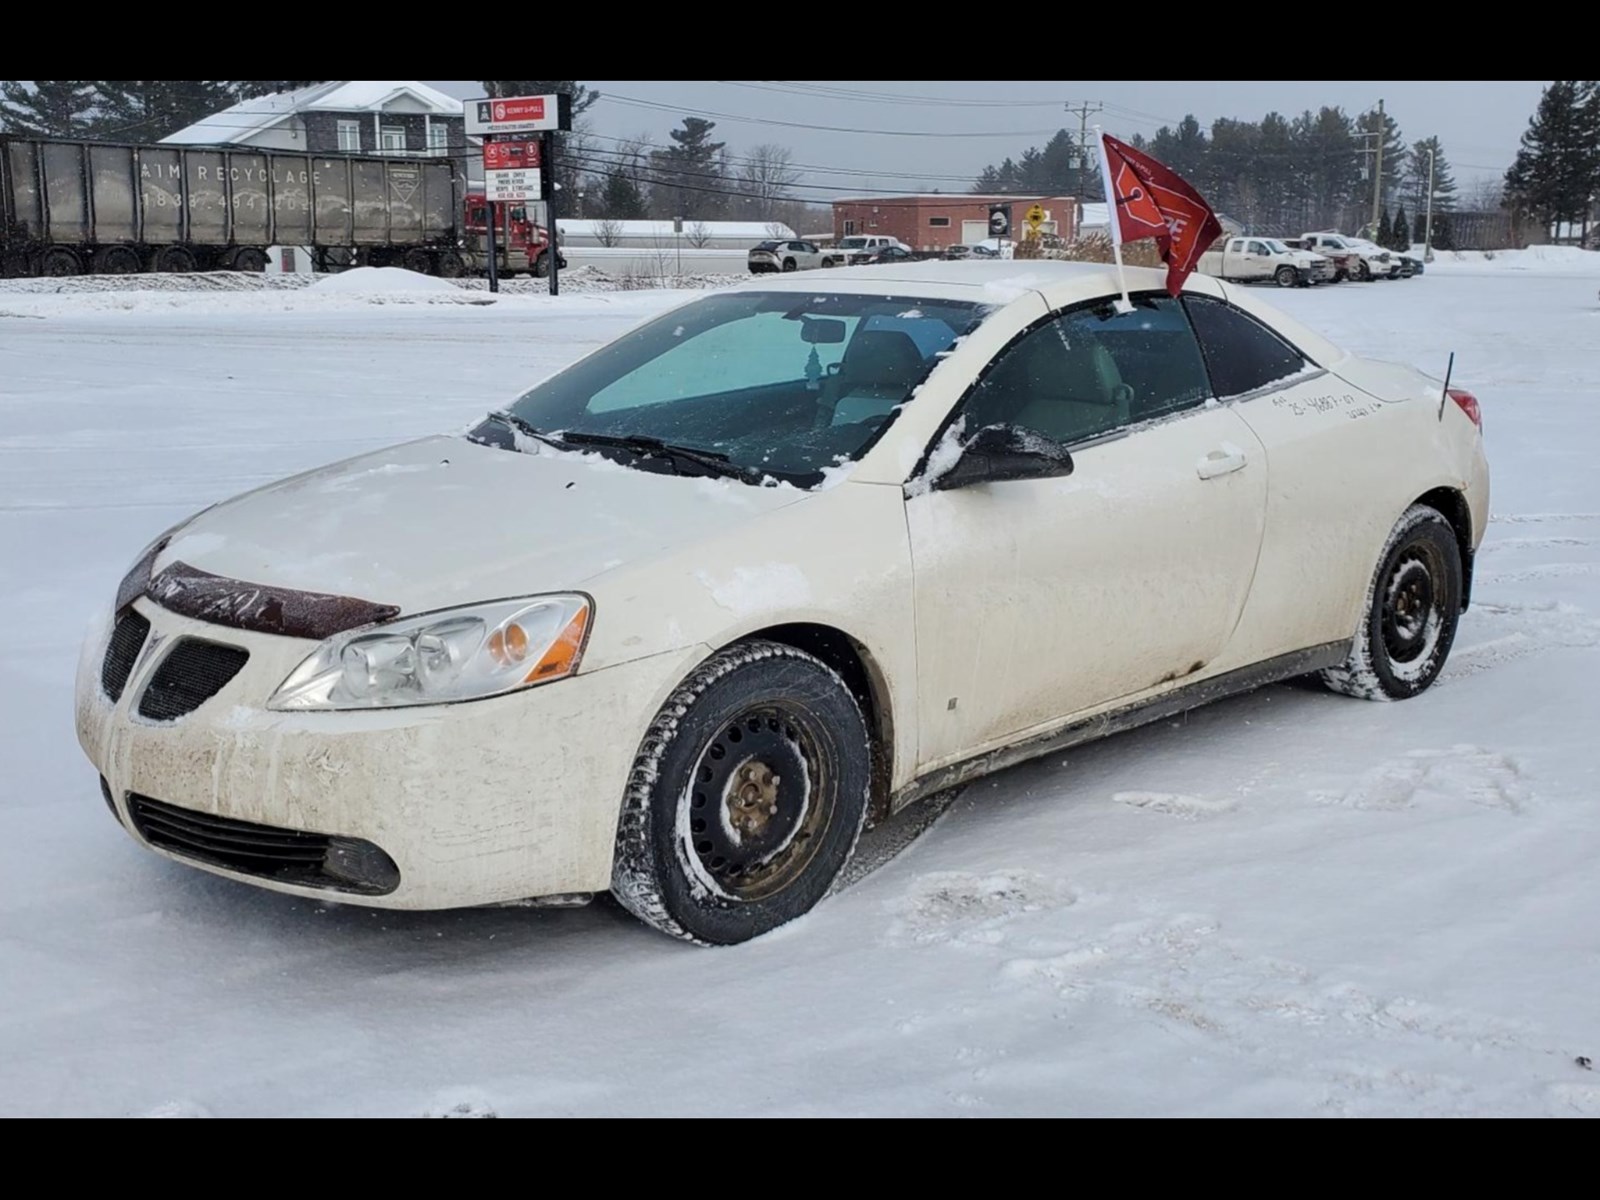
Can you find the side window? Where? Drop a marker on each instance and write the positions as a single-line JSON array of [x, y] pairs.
[[1090, 371], [1242, 354], [1236, 246]]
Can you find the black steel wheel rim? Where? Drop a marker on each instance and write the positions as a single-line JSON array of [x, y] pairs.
[[1410, 608], [758, 804]]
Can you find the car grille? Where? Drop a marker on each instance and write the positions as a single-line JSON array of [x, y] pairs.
[[192, 672], [127, 639], [266, 851]]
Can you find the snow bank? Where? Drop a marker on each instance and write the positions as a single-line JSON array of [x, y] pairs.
[[385, 281], [1541, 260]]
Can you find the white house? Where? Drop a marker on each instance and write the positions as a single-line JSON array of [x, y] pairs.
[[351, 116]]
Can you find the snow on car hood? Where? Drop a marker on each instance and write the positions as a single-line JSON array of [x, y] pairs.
[[446, 521]]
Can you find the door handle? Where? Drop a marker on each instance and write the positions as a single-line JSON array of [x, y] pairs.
[[1224, 460]]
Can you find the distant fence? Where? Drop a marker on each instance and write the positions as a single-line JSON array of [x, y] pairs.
[[658, 262]]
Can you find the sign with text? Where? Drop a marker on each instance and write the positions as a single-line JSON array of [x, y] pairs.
[[512, 186], [510, 156], [518, 114]]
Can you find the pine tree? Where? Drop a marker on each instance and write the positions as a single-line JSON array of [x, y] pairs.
[[1557, 168], [1384, 229], [147, 110], [249, 89], [1416, 183], [47, 107], [688, 175], [1419, 229], [1400, 231], [1444, 233], [620, 197]]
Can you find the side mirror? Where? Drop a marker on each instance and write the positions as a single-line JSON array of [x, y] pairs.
[[1000, 452]]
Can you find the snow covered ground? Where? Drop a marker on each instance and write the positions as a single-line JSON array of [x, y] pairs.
[[1289, 903]]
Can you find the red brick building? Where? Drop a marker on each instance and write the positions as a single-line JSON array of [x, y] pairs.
[[937, 220]]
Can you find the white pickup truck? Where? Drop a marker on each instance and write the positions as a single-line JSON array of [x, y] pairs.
[[1369, 262], [1247, 259]]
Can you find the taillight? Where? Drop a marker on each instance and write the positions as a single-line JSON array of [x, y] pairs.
[[1468, 403]]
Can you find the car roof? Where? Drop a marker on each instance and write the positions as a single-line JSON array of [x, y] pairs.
[[990, 280]]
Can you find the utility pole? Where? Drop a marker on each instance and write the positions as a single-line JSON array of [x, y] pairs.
[[1084, 111], [1377, 174], [1427, 228]]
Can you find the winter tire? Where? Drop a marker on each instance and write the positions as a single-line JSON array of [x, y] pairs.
[[116, 260], [451, 265], [541, 266], [59, 261], [174, 260], [789, 265], [746, 798], [419, 261], [1412, 609], [251, 259], [1285, 277], [1364, 273]]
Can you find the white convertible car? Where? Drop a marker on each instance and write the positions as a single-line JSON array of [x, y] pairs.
[[685, 616]]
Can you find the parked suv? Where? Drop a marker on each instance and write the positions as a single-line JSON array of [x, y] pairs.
[[784, 256]]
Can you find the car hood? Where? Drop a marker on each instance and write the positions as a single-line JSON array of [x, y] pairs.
[[447, 521]]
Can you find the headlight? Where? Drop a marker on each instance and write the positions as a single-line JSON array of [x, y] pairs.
[[441, 657]]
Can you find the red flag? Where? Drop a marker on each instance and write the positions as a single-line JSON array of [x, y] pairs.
[[1149, 200]]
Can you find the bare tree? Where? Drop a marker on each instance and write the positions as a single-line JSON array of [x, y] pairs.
[[1486, 194], [777, 229], [608, 232], [766, 176], [697, 235]]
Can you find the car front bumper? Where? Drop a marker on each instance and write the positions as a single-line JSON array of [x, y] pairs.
[[500, 799]]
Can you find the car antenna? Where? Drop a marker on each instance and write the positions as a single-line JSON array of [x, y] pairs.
[[1447, 372]]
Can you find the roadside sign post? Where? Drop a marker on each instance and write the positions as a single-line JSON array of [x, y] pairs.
[[518, 169], [1000, 226]]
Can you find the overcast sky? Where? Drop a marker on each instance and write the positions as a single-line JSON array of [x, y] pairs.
[[938, 134]]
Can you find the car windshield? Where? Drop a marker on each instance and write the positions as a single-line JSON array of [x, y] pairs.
[[783, 384], [1336, 243], [1276, 246]]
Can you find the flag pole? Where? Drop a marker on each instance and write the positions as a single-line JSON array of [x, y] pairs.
[[1125, 305]]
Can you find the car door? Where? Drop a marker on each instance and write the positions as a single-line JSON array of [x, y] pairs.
[[1260, 259], [1337, 488], [1041, 600]]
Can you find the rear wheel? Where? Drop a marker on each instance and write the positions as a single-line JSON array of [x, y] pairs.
[[174, 259], [419, 261], [116, 260], [451, 265], [1286, 277], [746, 798], [1413, 607], [59, 261], [250, 259], [789, 264]]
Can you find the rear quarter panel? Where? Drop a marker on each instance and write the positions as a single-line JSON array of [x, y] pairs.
[[1348, 450]]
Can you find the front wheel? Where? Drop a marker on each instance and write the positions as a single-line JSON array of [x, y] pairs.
[[746, 798], [541, 266], [1413, 607], [1364, 273], [1286, 277]]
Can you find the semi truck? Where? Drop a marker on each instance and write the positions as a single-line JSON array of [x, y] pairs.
[[72, 207]]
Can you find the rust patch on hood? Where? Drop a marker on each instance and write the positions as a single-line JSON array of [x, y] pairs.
[[258, 607]]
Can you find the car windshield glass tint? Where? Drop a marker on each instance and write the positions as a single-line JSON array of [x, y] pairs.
[[768, 245], [781, 382]]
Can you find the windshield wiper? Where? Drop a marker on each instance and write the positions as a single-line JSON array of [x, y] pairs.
[[515, 422], [709, 462]]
